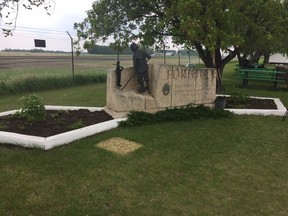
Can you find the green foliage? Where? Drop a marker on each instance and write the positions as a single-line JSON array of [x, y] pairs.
[[33, 108], [237, 96], [78, 124], [188, 113], [241, 28]]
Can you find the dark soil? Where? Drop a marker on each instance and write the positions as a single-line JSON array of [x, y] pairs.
[[249, 103], [55, 122]]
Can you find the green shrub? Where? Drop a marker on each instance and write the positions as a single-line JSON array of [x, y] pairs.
[[33, 108], [237, 96], [187, 113]]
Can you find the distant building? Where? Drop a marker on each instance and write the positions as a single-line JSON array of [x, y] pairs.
[[278, 58], [167, 53]]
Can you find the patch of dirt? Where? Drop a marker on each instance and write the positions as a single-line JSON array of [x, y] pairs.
[[55, 122], [119, 145], [250, 103]]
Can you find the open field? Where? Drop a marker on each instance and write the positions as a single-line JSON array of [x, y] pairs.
[[19, 61], [26, 72], [17, 66]]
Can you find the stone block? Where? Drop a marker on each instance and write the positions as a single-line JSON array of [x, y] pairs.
[[170, 86]]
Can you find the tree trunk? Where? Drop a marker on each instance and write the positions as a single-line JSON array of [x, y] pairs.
[[214, 60], [256, 56], [205, 56], [266, 58]]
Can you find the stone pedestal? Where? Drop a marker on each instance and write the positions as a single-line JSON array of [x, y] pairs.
[[170, 86]]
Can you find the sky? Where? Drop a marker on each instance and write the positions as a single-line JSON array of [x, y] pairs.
[[65, 13], [37, 24]]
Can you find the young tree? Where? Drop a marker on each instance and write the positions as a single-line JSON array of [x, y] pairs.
[[240, 27], [9, 10]]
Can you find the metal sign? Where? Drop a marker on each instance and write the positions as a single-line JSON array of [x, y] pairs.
[[39, 43]]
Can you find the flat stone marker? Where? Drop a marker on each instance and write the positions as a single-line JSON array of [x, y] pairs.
[[119, 145]]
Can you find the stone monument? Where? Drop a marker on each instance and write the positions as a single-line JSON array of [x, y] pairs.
[[170, 86]]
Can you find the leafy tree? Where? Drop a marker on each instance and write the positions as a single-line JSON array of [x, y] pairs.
[[242, 28], [262, 29], [9, 10]]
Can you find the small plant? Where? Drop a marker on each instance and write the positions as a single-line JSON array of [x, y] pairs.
[[33, 108], [78, 124], [238, 97]]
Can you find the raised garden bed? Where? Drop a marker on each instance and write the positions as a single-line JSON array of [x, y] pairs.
[[62, 130], [253, 105]]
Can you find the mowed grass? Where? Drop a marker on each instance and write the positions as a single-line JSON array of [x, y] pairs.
[[214, 167], [235, 166]]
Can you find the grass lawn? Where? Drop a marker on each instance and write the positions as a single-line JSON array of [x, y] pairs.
[[235, 166], [214, 167]]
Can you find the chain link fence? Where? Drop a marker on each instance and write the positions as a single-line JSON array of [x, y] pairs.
[[40, 49], [34, 59]]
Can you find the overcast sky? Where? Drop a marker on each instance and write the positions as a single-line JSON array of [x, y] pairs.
[[65, 14], [36, 24]]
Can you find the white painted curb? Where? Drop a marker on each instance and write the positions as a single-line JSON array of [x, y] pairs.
[[70, 136], [59, 139], [280, 111]]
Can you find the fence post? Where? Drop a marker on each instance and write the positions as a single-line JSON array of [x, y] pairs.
[[72, 52]]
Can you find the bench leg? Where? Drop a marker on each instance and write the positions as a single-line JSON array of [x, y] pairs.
[[275, 84], [244, 83]]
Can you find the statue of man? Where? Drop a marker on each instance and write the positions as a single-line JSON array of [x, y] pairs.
[[140, 58]]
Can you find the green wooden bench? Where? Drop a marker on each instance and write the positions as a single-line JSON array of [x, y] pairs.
[[261, 74]]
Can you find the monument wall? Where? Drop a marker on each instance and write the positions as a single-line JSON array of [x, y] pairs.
[[170, 86]]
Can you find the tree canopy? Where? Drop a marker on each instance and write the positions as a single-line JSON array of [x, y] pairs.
[[243, 28], [9, 10]]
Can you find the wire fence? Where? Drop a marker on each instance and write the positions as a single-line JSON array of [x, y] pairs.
[[23, 38], [42, 50]]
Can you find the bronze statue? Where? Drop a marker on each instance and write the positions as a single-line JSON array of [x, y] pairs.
[[140, 59], [118, 73]]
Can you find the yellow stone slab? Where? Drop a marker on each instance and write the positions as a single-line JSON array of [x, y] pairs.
[[119, 145]]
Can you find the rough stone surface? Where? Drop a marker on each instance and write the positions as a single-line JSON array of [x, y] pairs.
[[170, 86]]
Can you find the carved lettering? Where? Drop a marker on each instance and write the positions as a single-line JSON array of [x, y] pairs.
[[183, 74], [180, 74], [176, 74], [169, 74]]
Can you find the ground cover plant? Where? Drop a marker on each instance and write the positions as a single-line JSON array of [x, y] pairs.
[[227, 166], [185, 113]]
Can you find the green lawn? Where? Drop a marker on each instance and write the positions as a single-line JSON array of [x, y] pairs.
[[235, 166], [214, 167]]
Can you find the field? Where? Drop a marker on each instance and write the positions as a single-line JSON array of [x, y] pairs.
[[28, 72], [62, 63]]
